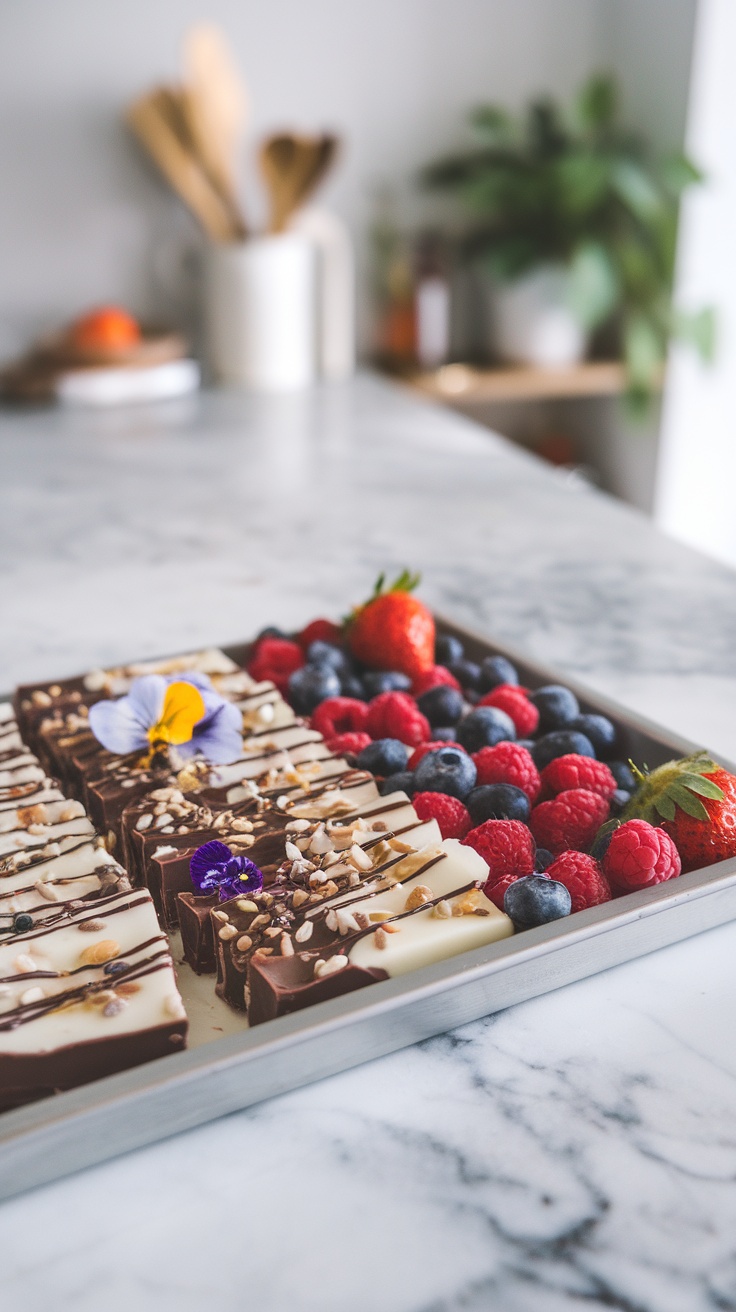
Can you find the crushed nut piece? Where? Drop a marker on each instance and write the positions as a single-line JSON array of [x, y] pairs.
[[97, 953]]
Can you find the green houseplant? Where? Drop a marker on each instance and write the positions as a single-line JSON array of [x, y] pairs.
[[575, 191]]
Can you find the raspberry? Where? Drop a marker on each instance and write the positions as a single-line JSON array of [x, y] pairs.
[[422, 750], [320, 631], [497, 892], [450, 814], [639, 855], [396, 715], [352, 743], [571, 820], [276, 658], [507, 763], [506, 846], [432, 678], [573, 771], [339, 715], [514, 701], [583, 879]]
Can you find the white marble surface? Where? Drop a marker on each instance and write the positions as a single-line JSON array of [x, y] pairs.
[[576, 1151]]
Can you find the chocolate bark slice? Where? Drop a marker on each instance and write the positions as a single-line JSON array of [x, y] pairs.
[[436, 913], [196, 932], [85, 996]]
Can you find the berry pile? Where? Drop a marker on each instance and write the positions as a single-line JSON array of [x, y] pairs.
[[524, 777]]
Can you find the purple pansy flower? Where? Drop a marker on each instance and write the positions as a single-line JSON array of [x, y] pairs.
[[157, 710], [215, 869]]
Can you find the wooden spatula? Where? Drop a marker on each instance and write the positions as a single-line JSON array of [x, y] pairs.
[[215, 106], [156, 121]]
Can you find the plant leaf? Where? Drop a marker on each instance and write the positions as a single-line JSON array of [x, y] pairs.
[[687, 801], [698, 783], [678, 172], [492, 122], [698, 330], [593, 289], [598, 101], [643, 352], [636, 189], [665, 806]]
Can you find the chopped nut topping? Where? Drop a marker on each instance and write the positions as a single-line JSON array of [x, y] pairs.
[[379, 937], [418, 897], [97, 953], [227, 931], [442, 911], [304, 932], [330, 966]]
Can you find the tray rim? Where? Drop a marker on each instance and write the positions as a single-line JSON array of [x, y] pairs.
[[58, 1135]]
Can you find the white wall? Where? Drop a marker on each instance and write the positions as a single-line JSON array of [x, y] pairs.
[[696, 491], [82, 216]]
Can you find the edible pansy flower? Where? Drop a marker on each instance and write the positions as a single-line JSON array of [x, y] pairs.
[[215, 869], [159, 712]]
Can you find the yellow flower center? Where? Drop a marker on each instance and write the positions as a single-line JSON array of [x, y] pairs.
[[183, 708]]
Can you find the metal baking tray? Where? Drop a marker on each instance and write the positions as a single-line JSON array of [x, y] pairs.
[[228, 1066]]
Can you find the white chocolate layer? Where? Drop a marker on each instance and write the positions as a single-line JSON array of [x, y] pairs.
[[155, 1002], [423, 937]]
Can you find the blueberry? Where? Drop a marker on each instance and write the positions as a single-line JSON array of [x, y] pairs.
[[326, 653], [495, 670], [557, 706], [623, 774], [525, 742], [472, 696], [443, 733], [378, 681], [484, 727], [497, 802], [447, 649], [445, 770], [402, 782], [467, 674], [561, 743], [272, 632], [311, 685], [535, 900], [543, 860], [22, 922], [385, 756], [603, 838], [352, 686], [441, 705], [620, 799], [115, 967], [599, 729]]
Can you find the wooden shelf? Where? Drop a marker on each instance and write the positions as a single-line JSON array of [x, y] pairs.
[[467, 385]]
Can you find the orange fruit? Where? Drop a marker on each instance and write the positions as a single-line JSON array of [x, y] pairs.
[[108, 328]]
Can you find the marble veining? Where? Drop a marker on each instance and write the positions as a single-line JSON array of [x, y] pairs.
[[576, 1151]]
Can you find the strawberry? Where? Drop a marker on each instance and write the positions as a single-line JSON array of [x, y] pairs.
[[393, 630], [694, 801]]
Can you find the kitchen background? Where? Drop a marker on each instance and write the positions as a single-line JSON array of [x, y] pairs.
[[85, 219]]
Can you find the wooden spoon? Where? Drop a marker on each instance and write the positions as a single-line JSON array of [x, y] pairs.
[[293, 166]]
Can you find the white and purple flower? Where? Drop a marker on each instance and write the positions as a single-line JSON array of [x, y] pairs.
[[160, 711]]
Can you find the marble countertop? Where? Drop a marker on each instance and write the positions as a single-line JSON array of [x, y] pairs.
[[575, 1151]]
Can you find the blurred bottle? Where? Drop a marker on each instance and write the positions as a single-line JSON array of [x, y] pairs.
[[393, 287], [432, 303]]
